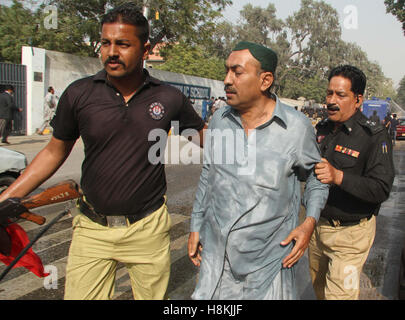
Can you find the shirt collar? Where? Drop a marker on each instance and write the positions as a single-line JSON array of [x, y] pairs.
[[350, 123], [102, 76], [279, 114]]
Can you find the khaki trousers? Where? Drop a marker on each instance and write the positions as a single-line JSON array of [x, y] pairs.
[[336, 258], [144, 248]]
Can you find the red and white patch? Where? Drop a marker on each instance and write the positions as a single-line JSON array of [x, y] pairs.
[[319, 139], [156, 111]]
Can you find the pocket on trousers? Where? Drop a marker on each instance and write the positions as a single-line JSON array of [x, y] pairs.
[[76, 221]]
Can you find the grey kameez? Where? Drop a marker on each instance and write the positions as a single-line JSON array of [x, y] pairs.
[[246, 207]]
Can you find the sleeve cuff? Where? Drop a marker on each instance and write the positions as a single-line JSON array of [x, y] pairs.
[[195, 224], [314, 214]]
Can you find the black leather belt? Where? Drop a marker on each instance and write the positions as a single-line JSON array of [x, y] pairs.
[[339, 223], [115, 220]]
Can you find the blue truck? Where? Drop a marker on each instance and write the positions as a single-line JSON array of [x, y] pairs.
[[381, 106]]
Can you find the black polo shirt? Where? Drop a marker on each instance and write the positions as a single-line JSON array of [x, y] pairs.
[[362, 150], [117, 176]]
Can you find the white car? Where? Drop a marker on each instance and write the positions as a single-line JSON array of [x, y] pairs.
[[11, 165]]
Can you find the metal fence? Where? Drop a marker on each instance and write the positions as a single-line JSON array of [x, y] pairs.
[[15, 74]]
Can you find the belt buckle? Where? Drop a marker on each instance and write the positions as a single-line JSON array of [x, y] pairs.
[[336, 223], [117, 221]]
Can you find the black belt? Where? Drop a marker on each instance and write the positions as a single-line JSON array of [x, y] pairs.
[[115, 220], [340, 223]]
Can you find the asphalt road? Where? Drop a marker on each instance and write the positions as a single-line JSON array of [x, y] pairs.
[[378, 280]]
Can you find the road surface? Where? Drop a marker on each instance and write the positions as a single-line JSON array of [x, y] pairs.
[[378, 280]]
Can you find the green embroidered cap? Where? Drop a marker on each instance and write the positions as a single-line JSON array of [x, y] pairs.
[[266, 56]]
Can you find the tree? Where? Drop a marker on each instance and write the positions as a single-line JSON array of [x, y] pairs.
[[313, 88], [78, 30], [377, 84], [308, 44], [303, 42], [397, 8], [21, 26], [401, 93], [223, 39], [192, 60], [191, 20], [16, 27], [256, 25], [315, 32], [259, 25]]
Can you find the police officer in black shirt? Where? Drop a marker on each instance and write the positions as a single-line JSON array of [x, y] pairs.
[[357, 163], [123, 214]]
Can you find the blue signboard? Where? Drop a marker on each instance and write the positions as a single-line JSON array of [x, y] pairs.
[[192, 91]]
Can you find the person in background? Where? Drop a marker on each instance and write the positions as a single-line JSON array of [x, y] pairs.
[[374, 117], [49, 110], [7, 110], [387, 122], [393, 125]]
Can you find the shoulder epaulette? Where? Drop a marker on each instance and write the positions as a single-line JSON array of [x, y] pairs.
[[372, 127], [322, 124]]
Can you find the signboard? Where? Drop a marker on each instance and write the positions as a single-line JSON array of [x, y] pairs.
[[192, 91]]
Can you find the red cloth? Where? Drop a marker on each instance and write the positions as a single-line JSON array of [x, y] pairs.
[[19, 241]]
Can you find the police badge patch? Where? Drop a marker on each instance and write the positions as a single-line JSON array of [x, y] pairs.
[[156, 111]]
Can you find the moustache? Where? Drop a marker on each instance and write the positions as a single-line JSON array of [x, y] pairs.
[[333, 107], [229, 89], [113, 60]]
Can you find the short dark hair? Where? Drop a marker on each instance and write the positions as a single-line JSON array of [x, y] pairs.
[[129, 13], [355, 75], [49, 89], [9, 87]]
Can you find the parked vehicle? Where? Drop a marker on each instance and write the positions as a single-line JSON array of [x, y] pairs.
[[401, 129], [12, 163]]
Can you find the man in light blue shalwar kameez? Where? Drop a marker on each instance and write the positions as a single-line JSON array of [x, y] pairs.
[[244, 233]]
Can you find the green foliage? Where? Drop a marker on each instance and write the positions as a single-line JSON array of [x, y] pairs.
[[78, 30], [397, 8], [308, 44], [312, 88], [257, 24], [192, 60], [192, 20], [17, 25], [20, 26], [401, 93]]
